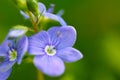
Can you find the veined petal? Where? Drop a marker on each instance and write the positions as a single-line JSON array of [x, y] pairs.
[[69, 54], [5, 75], [4, 49], [52, 66], [66, 36], [22, 46], [53, 32], [55, 17], [6, 65], [42, 7], [38, 42]]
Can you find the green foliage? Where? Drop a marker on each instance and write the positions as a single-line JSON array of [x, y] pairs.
[[98, 26], [33, 7], [21, 4]]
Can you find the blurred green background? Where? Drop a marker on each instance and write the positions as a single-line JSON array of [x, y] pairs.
[[98, 37]]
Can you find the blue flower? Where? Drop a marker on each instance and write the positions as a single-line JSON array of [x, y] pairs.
[[11, 51], [52, 48], [47, 14]]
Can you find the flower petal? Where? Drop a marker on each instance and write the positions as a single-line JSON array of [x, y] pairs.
[[66, 36], [5, 75], [53, 35], [55, 17], [69, 54], [24, 15], [4, 49], [60, 13], [51, 8], [38, 42], [42, 7], [16, 33], [6, 65], [52, 66], [22, 46]]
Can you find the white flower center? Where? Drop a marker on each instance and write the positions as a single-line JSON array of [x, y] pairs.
[[12, 55], [50, 50]]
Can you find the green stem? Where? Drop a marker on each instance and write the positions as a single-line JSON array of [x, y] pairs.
[[28, 59], [34, 23], [41, 18], [31, 17], [32, 30], [40, 75]]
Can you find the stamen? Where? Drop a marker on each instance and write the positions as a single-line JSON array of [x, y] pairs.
[[12, 55], [50, 50]]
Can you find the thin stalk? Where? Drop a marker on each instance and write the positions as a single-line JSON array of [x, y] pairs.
[[41, 18], [32, 30], [28, 60], [33, 22], [31, 17], [40, 75], [36, 25]]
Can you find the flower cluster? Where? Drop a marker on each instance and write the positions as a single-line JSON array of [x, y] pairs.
[[50, 48]]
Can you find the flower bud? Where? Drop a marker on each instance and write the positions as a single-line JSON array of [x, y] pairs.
[[21, 4], [17, 31], [32, 6]]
